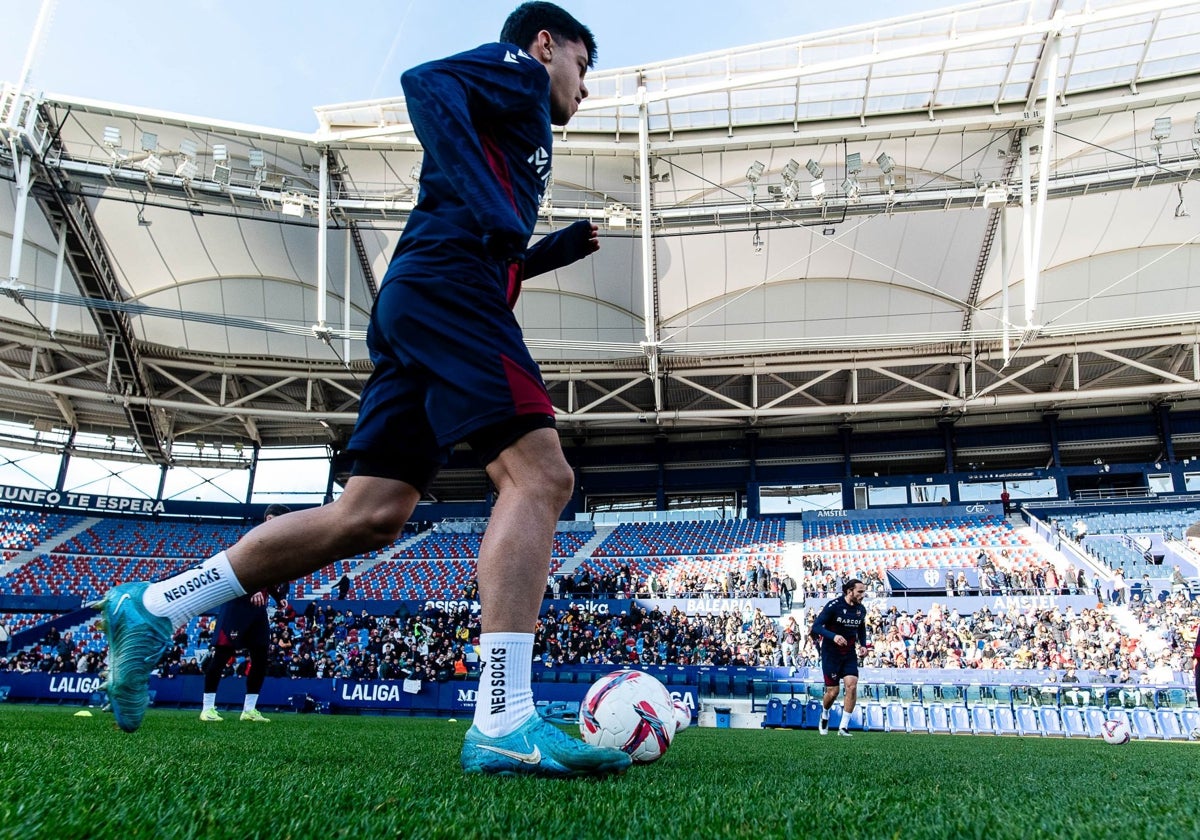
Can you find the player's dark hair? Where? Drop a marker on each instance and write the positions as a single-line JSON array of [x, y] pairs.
[[850, 584], [276, 510], [528, 19]]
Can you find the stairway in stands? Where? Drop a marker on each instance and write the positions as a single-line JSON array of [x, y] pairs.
[[585, 551], [47, 545]]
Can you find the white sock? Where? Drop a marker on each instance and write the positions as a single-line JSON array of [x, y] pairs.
[[190, 593], [505, 699], [210, 700], [251, 703], [845, 724], [825, 715]]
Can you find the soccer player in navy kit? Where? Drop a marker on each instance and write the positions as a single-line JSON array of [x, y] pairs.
[[242, 625], [451, 365], [841, 624]]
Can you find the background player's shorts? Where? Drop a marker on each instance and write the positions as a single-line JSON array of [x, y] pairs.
[[242, 626], [450, 365], [837, 663]]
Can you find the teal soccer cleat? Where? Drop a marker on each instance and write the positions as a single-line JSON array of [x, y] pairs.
[[538, 748], [137, 639]]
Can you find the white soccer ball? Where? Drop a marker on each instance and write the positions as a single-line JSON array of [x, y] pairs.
[[683, 716], [1116, 732], [629, 710]]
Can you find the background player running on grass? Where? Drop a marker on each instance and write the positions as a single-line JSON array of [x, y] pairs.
[[840, 624]]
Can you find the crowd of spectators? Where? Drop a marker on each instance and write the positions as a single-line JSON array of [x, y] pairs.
[[439, 645], [684, 579], [997, 574]]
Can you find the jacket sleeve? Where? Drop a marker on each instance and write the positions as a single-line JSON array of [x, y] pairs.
[[559, 249], [819, 628], [447, 100]]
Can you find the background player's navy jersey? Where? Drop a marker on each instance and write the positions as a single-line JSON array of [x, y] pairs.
[[483, 119], [838, 618]]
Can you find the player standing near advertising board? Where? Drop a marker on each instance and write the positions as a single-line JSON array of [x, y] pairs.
[[841, 624], [451, 365], [242, 625]]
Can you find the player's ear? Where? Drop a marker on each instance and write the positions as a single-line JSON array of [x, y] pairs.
[[543, 47]]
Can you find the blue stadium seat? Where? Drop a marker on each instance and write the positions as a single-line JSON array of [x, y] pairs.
[[981, 720], [939, 718], [1169, 726], [874, 719], [1027, 722], [774, 716], [1050, 721], [1002, 695], [1093, 721], [793, 714], [1074, 725], [894, 717], [1189, 720], [960, 719], [1006, 722], [812, 714], [1143, 724], [918, 720]]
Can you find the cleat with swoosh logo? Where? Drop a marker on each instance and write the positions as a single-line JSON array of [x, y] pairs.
[[137, 639], [538, 748]]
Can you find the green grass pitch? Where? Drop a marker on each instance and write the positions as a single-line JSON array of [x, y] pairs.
[[316, 776]]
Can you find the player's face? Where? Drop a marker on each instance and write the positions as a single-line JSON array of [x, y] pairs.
[[567, 64], [854, 596]]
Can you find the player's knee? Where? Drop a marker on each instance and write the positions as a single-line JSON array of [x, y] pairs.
[[370, 527]]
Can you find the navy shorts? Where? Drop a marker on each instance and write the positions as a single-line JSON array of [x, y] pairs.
[[837, 663], [242, 625], [451, 365]]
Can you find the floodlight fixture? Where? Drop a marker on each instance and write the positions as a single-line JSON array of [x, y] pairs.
[[617, 215], [257, 158], [886, 162], [814, 169], [755, 171], [854, 163], [222, 174], [149, 141], [292, 204], [1162, 128], [187, 169], [888, 182], [112, 137], [995, 196], [415, 172], [789, 171], [851, 188], [817, 190], [151, 164], [220, 153], [188, 148]]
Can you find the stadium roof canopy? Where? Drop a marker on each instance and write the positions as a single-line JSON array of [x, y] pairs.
[[953, 214]]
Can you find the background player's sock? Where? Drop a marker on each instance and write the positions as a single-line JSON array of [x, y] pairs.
[[210, 701], [251, 703], [505, 699], [193, 592]]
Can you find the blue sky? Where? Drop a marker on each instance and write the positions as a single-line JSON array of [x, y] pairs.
[[268, 62]]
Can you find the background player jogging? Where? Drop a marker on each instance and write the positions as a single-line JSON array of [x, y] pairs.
[[840, 625], [242, 625], [451, 365]]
